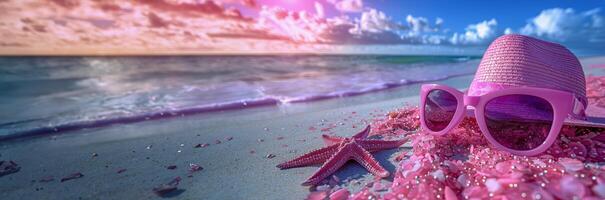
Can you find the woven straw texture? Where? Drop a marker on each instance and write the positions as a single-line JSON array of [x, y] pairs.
[[517, 60]]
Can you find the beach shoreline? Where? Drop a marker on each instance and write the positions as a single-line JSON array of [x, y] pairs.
[[235, 162]]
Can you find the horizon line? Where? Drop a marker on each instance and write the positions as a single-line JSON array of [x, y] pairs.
[[220, 54]]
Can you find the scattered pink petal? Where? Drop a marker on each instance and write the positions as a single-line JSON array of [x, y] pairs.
[[46, 179], [72, 176], [449, 194], [341, 194], [319, 195], [164, 189], [194, 167], [229, 138], [217, 142], [378, 187], [201, 145]]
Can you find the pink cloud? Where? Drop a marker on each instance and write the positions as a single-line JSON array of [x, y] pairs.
[[348, 5], [250, 34], [66, 3], [12, 44], [185, 25], [156, 21], [200, 8]]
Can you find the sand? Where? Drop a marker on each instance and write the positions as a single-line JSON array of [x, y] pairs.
[[230, 169]]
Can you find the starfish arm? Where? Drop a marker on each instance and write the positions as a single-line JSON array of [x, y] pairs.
[[344, 154], [312, 158], [363, 134], [331, 165], [330, 140], [366, 159], [377, 145]]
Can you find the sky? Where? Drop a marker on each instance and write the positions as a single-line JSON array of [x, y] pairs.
[[108, 27]]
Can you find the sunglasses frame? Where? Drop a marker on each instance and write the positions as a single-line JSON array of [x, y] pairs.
[[561, 102]]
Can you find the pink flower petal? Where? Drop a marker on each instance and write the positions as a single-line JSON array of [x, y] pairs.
[[341, 194], [450, 194]]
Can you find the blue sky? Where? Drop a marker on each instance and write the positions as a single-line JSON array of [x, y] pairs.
[[292, 26], [458, 14], [572, 17]]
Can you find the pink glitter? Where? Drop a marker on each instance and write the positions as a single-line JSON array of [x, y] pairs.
[[462, 165]]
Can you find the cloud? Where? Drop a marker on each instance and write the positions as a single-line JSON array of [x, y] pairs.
[[480, 33], [299, 26], [319, 9], [349, 33], [12, 44], [563, 25], [375, 21], [508, 31], [249, 3], [438, 22], [220, 25], [420, 24], [207, 25], [348, 5], [109, 7], [375, 27], [156, 21], [255, 34], [66, 3], [202, 8]]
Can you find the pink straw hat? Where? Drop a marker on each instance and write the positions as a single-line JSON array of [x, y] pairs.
[[521, 61]]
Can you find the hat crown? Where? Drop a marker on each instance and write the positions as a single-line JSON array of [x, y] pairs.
[[516, 61]]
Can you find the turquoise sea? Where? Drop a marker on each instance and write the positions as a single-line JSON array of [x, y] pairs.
[[43, 95]]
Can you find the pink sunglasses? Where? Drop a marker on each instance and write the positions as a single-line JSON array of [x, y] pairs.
[[521, 120]]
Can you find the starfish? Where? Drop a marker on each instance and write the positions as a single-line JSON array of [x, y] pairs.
[[339, 150]]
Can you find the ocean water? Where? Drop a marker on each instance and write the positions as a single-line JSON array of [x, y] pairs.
[[41, 95]]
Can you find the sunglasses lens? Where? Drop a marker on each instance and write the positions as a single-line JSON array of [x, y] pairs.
[[439, 109], [519, 122]]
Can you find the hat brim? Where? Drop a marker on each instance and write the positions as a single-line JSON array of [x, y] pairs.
[[595, 117]]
